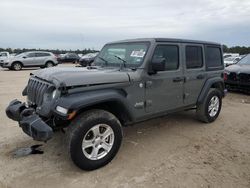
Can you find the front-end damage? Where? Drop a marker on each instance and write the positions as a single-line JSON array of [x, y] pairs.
[[29, 121], [53, 100]]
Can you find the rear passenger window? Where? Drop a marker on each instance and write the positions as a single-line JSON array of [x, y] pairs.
[[213, 57], [194, 57], [46, 54], [171, 55], [42, 54]]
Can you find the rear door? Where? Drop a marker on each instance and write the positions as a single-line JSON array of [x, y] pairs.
[[164, 90], [41, 58], [194, 70]]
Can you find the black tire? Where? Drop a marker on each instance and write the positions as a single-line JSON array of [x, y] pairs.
[[17, 66], [49, 64], [202, 111], [78, 130]]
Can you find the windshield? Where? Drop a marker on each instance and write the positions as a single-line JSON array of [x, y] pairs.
[[3, 54], [89, 55], [245, 60], [21, 54], [132, 54]]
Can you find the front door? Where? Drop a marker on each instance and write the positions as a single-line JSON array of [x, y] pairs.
[[164, 89], [29, 59]]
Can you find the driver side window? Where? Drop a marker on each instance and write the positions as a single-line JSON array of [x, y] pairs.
[[170, 53]]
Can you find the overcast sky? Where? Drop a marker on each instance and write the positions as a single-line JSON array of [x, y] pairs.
[[82, 24]]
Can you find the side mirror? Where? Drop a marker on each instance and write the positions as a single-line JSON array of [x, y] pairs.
[[158, 64]]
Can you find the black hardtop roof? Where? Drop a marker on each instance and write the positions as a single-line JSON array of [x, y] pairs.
[[166, 40]]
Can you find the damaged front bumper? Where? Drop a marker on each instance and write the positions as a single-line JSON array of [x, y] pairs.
[[29, 121]]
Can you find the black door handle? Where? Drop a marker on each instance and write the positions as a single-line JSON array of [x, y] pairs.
[[178, 79], [200, 76]]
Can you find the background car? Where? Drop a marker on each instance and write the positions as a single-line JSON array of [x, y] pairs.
[[231, 60], [68, 58], [226, 55], [30, 59], [238, 76], [87, 59], [4, 56]]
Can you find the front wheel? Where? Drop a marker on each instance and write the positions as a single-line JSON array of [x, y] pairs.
[[16, 66], [210, 108], [94, 138]]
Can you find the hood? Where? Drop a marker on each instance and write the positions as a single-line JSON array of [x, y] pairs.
[[228, 61], [238, 68], [81, 76], [3, 58]]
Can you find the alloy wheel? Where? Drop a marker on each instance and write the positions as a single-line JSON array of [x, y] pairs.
[[98, 141], [213, 106]]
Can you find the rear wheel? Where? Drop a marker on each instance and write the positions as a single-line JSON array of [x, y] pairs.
[[210, 108], [94, 138], [49, 64], [16, 66]]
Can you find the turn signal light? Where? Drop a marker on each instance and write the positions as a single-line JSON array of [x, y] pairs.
[[71, 115]]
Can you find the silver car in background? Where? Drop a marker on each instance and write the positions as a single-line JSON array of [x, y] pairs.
[[30, 59]]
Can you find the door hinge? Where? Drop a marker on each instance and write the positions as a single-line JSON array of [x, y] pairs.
[[148, 84], [148, 103], [185, 95]]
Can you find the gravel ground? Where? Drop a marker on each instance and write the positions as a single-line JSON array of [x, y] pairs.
[[173, 151]]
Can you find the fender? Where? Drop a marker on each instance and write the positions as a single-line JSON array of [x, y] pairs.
[[208, 84], [79, 101]]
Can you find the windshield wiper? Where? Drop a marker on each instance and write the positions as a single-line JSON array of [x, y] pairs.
[[104, 60], [124, 61]]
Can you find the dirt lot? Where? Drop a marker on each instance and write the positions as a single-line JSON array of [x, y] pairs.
[[174, 151]]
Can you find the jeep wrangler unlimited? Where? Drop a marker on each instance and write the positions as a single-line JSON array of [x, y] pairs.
[[130, 81]]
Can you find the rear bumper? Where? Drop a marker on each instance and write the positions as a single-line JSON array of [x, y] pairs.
[[29, 121]]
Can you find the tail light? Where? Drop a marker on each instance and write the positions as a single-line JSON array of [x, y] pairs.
[[225, 76]]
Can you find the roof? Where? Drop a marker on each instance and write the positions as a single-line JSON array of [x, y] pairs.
[[166, 40], [38, 51]]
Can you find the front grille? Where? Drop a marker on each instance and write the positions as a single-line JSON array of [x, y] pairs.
[[36, 89], [245, 78]]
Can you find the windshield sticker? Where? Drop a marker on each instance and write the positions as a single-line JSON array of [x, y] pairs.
[[139, 53]]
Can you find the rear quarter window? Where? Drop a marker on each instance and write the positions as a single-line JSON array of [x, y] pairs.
[[213, 57]]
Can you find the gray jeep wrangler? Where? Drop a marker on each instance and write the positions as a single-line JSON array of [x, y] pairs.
[[130, 81]]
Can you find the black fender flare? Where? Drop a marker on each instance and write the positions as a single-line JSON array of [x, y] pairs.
[[78, 101], [208, 84]]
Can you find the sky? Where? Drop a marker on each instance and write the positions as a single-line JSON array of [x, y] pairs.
[[78, 24]]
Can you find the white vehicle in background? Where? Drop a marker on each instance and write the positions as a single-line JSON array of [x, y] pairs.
[[231, 60], [226, 55], [4, 55], [30, 59]]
